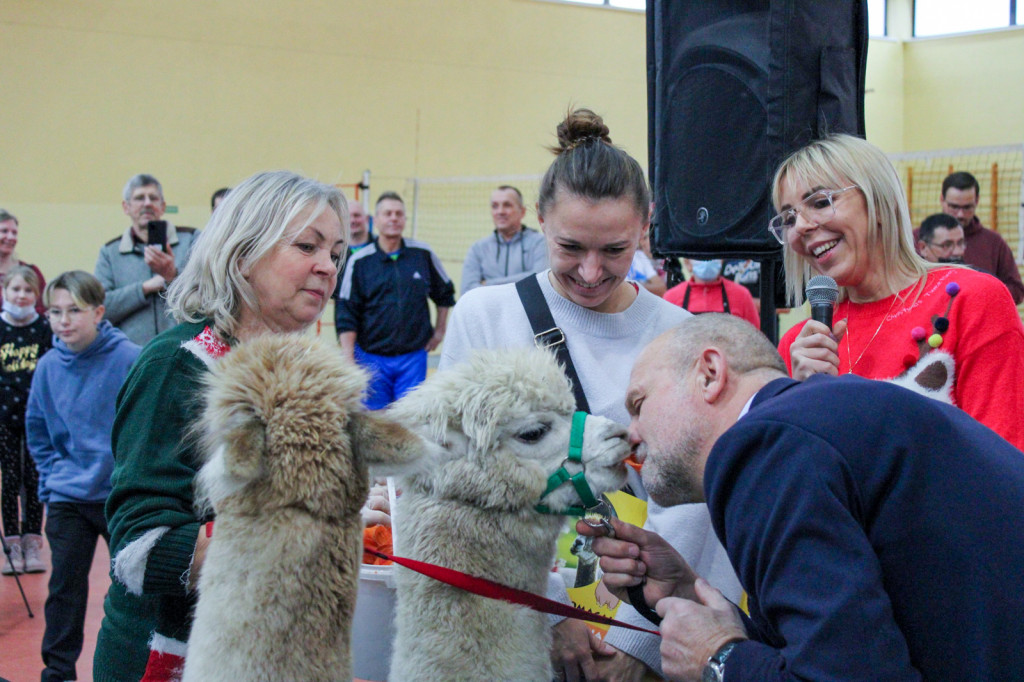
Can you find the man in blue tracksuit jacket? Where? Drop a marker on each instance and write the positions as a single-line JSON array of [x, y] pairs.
[[382, 315]]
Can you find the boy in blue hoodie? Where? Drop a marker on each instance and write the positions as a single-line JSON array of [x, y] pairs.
[[68, 422]]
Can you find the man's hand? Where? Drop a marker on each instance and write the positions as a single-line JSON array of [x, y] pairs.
[[692, 631], [636, 556], [161, 263], [347, 341], [815, 350], [153, 285], [572, 651], [435, 340]]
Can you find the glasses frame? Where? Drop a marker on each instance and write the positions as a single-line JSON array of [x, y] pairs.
[[779, 231]]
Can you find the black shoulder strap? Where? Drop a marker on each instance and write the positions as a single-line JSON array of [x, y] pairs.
[[547, 335]]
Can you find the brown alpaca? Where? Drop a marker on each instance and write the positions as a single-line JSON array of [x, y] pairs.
[[288, 449]]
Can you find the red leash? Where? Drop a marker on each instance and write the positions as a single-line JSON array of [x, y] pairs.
[[492, 590]]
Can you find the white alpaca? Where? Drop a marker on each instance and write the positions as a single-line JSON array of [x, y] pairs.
[[288, 447], [504, 420]]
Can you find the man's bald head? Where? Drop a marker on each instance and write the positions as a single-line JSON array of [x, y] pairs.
[[360, 222], [743, 345]]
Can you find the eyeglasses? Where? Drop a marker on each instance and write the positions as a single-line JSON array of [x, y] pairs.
[[73, 313], [947, 245], [818, 208], [955, 208]]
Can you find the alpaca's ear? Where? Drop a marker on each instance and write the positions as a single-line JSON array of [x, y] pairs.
[[244, 445], [388, 448]]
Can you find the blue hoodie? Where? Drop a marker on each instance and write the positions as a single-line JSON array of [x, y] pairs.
[[71, 412]]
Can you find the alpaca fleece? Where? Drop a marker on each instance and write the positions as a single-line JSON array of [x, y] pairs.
[[503, 420], [288, 449]]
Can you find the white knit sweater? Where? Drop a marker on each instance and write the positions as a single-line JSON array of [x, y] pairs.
[[603, 347]]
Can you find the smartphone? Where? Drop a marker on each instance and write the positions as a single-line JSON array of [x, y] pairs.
[[158, 234]]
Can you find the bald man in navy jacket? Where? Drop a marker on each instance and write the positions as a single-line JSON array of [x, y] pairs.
[[877, 532]]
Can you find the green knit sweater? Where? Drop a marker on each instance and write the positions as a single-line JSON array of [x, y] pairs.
[[153, 525]]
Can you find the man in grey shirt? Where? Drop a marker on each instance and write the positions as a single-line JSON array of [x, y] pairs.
[[134, 272], [511, 252]]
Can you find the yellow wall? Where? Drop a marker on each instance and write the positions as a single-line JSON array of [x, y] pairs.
[[964, 91], [883, 99], [202, 94]]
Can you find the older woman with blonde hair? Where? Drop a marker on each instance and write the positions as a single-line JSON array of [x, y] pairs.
[[267, 263], [843, 213]]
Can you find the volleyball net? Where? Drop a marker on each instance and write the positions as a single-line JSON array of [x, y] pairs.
[[450, 213], [998, 170]]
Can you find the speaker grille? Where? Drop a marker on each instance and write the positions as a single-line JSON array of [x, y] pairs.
[[715, 137]]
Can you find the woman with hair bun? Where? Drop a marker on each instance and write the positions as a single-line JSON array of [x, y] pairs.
[[594, 208]]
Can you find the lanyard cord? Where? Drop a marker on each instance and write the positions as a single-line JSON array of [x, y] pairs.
[[508, 248]]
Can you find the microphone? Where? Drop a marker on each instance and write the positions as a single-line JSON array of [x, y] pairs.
[[822, 293]]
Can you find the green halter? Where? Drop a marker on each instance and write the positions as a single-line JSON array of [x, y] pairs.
[[579, 481]]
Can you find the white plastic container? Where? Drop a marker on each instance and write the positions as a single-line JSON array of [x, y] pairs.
[[373, 626]]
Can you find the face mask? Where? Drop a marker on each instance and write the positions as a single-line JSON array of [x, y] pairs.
[[706, 270], [958, 261], [19, 312]]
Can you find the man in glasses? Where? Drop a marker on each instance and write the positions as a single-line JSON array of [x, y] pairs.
[[135, 270], [986, 249], [941, 239]]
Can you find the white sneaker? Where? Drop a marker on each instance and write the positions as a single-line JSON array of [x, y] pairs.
[[14, 563], [31, 549]]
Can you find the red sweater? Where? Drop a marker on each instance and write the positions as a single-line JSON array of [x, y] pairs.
[[706, 297], [985, 338]]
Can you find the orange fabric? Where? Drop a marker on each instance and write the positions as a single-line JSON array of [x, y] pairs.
[[379, 538]]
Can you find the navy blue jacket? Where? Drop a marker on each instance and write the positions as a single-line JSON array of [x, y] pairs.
[[384, 299], [878, 535]]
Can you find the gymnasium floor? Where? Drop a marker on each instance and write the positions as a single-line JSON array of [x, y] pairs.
[[20, 636]]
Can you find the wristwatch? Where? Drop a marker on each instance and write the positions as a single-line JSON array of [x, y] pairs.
[[714, 671]]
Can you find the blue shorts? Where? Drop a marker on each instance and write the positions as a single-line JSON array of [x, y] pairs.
[[391, 377]]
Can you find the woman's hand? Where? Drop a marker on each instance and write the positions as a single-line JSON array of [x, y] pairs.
[[572, 651], [198, 557], [377, 510], [816, 350]]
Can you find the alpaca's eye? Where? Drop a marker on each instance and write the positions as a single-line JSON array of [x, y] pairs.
[[534, 434]]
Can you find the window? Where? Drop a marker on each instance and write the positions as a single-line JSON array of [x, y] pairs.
[[876, 18], [942, 17], [621, 4]]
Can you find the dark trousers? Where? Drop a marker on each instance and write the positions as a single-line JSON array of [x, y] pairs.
[[72, 530], [18, 472]]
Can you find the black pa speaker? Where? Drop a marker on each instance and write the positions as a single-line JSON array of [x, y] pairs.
[[734, 86]]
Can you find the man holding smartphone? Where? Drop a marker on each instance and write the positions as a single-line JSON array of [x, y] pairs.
[[136, 267]]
